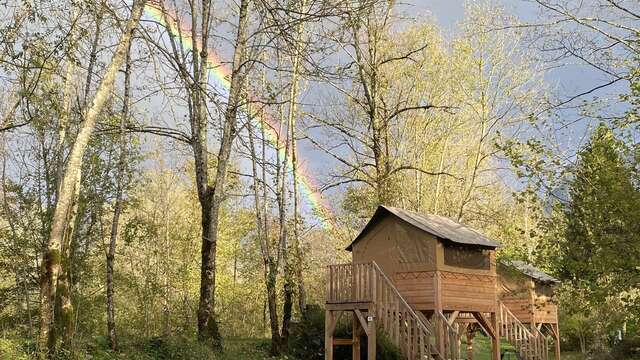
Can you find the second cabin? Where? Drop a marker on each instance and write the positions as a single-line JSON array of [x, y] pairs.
[[435, 263], [528, 293]]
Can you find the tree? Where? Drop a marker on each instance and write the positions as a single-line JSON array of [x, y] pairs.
[[599, 34], [68, 193], [193, 73], [118, 202], [600, 253]]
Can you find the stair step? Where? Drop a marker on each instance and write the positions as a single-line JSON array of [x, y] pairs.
[[342, 341]]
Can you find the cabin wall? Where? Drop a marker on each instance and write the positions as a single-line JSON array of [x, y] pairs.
[[406, 255], [467, 292], [521, 308], [546, 313], [417, 287], [396, 247], [545, 310]]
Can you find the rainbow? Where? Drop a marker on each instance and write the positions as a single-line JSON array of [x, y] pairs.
[[222, 75]]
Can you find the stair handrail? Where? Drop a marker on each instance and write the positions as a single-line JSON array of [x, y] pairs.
[[451, 337], [422, 323], [399, 296], [529, 336]]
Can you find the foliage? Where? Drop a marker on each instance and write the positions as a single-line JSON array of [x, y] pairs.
[[308, 339], [591, 243], [15, 349], [602, 219], [627, 348]]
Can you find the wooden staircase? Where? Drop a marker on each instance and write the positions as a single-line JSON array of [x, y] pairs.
[[415, 336], [529, 342]]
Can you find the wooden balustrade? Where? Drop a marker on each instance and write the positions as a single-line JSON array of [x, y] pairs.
[[450, 341], [530, 343], [350, 283]]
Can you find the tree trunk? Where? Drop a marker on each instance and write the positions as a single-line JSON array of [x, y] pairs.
[[207, 328], [270, 266], [293, 97], [439, 177], [117, 209], [65, 320], [52, 260]]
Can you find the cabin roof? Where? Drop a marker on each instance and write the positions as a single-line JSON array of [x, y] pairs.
[[531, 271], [441, 227]]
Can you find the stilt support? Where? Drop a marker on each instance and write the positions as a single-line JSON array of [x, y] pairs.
[[355, 352], [495, 338], [371, 336], [556, 340], [470, 335]]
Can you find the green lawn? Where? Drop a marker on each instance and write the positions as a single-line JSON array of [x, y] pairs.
[[482, 350]]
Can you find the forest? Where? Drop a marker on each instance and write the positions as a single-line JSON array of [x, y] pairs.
[[177, 175]]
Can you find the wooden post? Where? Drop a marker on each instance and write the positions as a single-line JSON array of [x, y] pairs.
[[437, 293], [556, 335], [495, 340], [470, 336], [356, 337], [461, 329], [371, 335], [328, 335]]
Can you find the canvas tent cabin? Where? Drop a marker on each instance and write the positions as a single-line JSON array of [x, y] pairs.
[[435, 263]]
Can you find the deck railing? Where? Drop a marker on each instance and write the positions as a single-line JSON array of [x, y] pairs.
[[412, 333]]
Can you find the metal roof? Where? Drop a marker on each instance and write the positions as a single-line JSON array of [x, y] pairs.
[[531, 271], [441, 227]]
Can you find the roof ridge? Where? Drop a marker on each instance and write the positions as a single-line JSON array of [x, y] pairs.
[[442, 227]]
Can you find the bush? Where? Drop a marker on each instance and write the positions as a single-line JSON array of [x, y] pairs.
[[307, 339], [12, 349], [628, 348]]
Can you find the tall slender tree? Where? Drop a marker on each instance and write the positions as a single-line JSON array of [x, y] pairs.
[[67, 193]]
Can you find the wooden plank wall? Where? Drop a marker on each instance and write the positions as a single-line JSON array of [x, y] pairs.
[[464, 292], [416, 288], [542, 312], [467, 292]]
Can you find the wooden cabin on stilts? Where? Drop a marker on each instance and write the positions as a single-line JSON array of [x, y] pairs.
[[425, 281], [528, 293]]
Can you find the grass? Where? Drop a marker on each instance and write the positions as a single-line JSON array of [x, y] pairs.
[[482, 350], [572, 356], [16, 348], [249, 349], [234, 348]]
